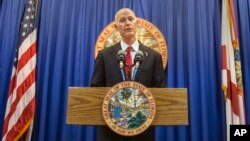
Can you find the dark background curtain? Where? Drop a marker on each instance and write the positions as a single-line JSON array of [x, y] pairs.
[[67, 32]]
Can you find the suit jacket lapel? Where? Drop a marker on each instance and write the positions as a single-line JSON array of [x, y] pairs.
[[115, 50]]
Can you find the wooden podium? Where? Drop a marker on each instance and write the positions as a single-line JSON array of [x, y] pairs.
[[85, 106]]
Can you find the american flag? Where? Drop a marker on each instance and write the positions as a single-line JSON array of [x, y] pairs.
[[232, 84], [20, 106]]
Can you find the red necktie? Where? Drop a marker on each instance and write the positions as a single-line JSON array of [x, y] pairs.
[[128, 63]]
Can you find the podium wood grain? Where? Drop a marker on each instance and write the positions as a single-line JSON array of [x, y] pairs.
[[85, 106]]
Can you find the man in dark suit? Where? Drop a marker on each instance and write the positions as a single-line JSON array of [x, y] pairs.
[[107, 72]]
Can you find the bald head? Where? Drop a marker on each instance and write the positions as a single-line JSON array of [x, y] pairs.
[[123, 10]]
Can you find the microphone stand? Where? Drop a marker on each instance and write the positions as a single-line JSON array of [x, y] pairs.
[[134, 74], [121, 59], [137, 63], [122, 72]]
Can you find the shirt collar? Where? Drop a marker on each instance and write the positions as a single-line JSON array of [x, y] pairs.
[[135, 45]]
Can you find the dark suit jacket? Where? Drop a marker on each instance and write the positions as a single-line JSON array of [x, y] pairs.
[[107, 72]]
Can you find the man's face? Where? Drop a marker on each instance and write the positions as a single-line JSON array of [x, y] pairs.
[[126, 24]]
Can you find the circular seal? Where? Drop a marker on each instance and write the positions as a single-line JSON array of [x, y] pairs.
[[128, 108], [147, 33]]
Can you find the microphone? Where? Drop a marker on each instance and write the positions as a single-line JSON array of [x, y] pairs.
[[138, 58], [121, 58]]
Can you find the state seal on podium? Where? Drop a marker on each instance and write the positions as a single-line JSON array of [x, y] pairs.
[[128, 108]]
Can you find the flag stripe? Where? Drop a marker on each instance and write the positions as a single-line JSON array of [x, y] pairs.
[[13, 80], [20, 108], [26, 56], [21, 76], [12, 84], [26, 98], [224, 56], [13, 100], [27, 69], [31, 39], [234, 96], [228, 92], [14, 132], [22, 89]]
